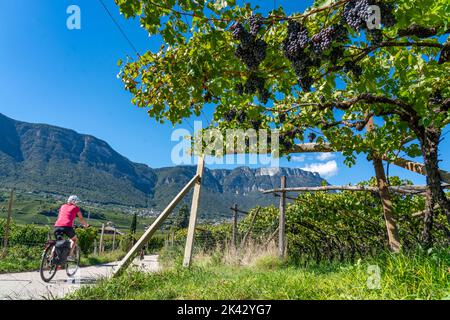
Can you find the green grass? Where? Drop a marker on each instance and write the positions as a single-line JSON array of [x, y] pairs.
[[414, 276], [102, 258], [21, 258]]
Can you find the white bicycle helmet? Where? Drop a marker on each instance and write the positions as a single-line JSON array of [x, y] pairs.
[[73, 200]]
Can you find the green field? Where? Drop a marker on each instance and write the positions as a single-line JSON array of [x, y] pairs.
[[42, 210]]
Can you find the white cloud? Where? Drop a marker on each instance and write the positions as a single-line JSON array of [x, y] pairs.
[[269, 171], [298, 158], [326, 170], [325, 156]]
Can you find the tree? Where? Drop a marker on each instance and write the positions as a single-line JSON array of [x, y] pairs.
[[323, 70], [133, 224], [182, 218]]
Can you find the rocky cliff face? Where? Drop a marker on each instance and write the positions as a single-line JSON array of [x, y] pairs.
[[38, 157]]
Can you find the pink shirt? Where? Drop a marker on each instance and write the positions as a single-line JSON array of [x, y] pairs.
[[67, 215]]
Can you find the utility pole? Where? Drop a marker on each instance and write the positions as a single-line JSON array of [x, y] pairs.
[[282, 223]]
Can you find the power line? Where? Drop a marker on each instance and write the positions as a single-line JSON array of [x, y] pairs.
[[119, 27]]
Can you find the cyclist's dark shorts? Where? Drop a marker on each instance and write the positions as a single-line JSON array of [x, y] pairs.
[[69, 231]]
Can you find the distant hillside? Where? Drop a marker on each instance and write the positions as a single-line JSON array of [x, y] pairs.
[[43, 158]]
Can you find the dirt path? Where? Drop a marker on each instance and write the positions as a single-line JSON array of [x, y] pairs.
[[29, 286]]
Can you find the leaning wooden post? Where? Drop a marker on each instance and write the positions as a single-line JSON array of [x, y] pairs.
[[194, 211], [234, 229], [282, 224], [8, 222], [154, 226], [100, 249]]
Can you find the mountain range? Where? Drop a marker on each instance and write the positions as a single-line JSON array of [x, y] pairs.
[[44, 158]]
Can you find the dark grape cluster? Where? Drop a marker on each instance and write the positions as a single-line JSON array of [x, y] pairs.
[[239, 89], [323, 40], [301, 63], [301, 68], [239, 33], [256, 124], [311, 137], [286, 142], [296, 41], [255, 23], [356, 13], [230, 115], [233, 114], [354, 68], [375, 36], [241, 116], [306, 83], [436, 98], [336, 54], [305, 53], [252, 53], [287, 138], [340, 33], [264, 96], [445, 53], [256, 84], [294, 133], [208, 96], [387, 14]]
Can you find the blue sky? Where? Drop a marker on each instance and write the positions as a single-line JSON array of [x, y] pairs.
[[68, 78]]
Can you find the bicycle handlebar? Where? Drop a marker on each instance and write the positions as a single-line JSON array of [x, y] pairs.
[[81, 227]]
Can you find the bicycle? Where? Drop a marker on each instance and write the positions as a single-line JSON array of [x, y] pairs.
[[51, 262]]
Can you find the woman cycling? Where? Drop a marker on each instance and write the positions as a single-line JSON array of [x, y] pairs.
[[66, 218]]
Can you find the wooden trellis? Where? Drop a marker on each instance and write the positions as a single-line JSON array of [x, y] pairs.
[[196, 182]]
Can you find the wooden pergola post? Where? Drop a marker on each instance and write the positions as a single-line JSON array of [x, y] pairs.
[[282, 224], [194, 212], [100, 249], [8, 223], [234, 230], [114, 240]]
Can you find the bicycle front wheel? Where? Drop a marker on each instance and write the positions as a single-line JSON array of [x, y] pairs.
[[73, 265], [48, 268]]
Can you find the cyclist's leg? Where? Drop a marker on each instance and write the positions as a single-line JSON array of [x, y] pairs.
[[70, 232], [73, 246]]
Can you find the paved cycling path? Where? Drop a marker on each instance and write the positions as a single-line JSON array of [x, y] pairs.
[[29, 286]]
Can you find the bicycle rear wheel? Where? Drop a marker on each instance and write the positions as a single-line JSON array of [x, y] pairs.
[[72, 266], [48, 268]]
